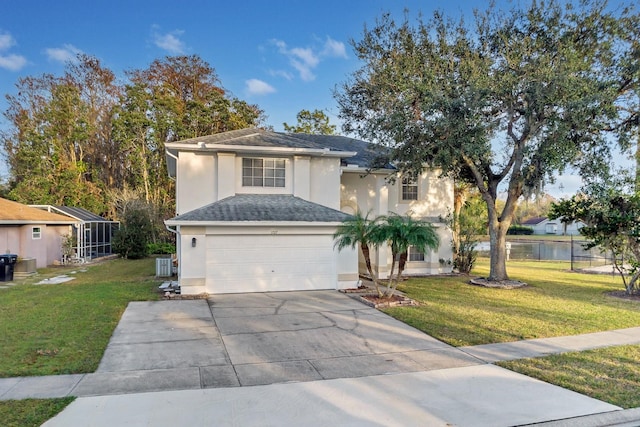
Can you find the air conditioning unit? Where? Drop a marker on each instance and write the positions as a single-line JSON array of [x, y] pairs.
[[163, 267]]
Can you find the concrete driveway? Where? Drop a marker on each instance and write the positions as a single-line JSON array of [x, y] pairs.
[[313, 359], [262, 338]]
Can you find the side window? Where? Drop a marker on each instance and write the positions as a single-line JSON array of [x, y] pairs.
[[36, 233], [414, 255], [409, 189]]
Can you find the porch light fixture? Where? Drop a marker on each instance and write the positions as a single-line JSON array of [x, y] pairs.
[[193, 242]]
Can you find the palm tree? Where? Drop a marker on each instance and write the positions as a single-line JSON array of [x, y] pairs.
[[356, 230], [400, 232]]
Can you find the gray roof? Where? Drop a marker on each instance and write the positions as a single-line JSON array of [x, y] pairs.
[[368, 155], [254, 137], [263, 207]]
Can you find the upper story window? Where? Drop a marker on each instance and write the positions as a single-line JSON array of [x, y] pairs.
[[263, 172], [409, 189], [414, 254], [36, 233]]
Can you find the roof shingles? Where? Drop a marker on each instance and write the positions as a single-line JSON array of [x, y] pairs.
[[262, 207]]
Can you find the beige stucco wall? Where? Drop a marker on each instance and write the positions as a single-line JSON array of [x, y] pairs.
[[196, 181], [192, 265], [206, 177], [373, 194]]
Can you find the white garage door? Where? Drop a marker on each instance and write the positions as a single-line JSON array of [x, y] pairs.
[[264, 263]]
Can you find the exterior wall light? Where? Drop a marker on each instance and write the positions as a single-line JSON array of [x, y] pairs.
[[193, 242]]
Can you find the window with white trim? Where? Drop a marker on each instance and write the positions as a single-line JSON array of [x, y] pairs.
[[409, 189], [414, 255], [263, 172], [36, 233]]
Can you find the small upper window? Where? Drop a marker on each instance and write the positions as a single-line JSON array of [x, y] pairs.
[[414, 254], [263, 172], [409, 189], [36, 233]]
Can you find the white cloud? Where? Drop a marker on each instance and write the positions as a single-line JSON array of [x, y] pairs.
[[6, 41], [305, 59], [64, 54], [334, 48], [281, 73], [170, 41], [12, 62], [258, 87]]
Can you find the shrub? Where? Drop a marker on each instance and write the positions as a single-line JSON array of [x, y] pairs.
[[132, 238], [520, 230], [161, 248]]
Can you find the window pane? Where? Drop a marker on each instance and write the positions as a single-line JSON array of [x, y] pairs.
[[279, 182], [279, 163]]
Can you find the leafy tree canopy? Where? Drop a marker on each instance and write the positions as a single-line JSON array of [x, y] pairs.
[[84, 139], [314, 122], [504, 103]]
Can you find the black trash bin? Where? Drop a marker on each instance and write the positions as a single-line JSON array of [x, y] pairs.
[[7, 264]]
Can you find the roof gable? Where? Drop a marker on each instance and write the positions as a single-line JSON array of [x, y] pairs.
[[262, 207]]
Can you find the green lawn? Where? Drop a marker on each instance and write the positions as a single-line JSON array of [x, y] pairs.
[[65, 328], [557, 302], [609, 374], [30, 412]]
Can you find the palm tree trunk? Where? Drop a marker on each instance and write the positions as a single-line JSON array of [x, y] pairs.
[[401, 264], [367, 260]]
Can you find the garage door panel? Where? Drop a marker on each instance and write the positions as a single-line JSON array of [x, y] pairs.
[[270, 263]]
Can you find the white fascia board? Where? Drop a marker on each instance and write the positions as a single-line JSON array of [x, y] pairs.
[[259, 150]]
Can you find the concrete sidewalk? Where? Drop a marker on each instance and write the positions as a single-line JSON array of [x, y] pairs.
[[308, 358]]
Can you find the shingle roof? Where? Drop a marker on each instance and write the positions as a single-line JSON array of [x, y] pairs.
[[534, 221], [253, 137], [262, 207], [17, 213], [368, 155]]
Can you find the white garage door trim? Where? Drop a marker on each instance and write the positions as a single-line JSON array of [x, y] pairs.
[[270, 262]]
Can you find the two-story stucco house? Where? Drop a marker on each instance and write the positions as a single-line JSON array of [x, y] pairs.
[[256, 211]]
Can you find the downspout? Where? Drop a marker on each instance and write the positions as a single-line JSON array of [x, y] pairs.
[[169, 229]]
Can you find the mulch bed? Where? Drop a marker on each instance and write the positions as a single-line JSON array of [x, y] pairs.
[[386, 302]]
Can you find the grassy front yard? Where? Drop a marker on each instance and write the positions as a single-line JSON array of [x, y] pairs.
[[557, 302], [65, 328]]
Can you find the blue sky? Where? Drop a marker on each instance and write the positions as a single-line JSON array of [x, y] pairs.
[[284, 56]]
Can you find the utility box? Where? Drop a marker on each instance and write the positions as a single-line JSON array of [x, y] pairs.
[[163, 267], [7, 264]]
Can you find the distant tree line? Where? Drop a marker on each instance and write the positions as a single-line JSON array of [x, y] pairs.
[[85, 139]]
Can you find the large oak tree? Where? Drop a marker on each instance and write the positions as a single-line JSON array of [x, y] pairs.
[[503, 104]]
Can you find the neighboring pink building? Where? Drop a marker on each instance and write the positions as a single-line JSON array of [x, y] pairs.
[[32, 233]]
